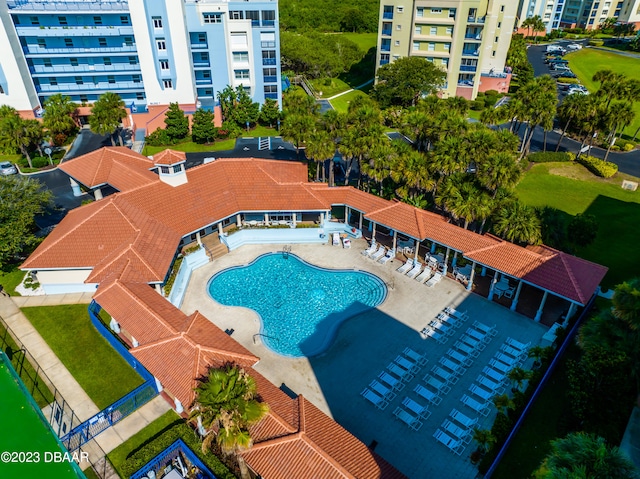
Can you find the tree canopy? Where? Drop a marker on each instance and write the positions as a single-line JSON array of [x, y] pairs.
[[203, 130], [59, 117], [329, 15], [176, 123], [21, 199], [107, 114], [406, 80]]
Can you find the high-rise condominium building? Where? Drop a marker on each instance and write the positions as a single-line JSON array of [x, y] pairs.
[[550, 11], [150, 52], [591, 13], [469, 39]]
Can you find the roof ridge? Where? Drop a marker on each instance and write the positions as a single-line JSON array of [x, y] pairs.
[[138, 300], [572, 277]]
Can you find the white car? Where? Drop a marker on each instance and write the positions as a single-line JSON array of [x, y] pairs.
[[7, 168], [574, 46], [578, 89]]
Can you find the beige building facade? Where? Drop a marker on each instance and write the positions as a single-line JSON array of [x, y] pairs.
[[469, 39]]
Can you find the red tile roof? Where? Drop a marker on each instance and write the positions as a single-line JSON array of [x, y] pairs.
[[169, 157]]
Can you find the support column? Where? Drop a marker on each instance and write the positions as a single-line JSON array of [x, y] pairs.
[[373, 233], [266, 218], [75, 187], [395, 240], [446, 262], [569, 315], [158, 384], [493, 283], [178, 405], [238, 221], [483, 271], [360, 221], [158, 288], [220, 230], [322, 218], [471, 276], [347, 213], [294, 218], [198, 238], [514, 302], [97, 193], [455, 259], [539, 313], [433, 247], [416, 248]]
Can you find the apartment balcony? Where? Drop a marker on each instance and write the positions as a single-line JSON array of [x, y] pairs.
[[273, 96], [471, 53], [466, 83], [270, 79], [384, 61], [269, 61], [62, 70], [73, 31], [386, 33], [385, 46], [54, 7], [203, 81], [387, 15], [268, 23], [199, 46], [38, 51], [201, 64], [479, 20], [91, 88], [468, 68]]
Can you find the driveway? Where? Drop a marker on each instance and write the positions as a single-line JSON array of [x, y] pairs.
[[57, 181], [86, 142]]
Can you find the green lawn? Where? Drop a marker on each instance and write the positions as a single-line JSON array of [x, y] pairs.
[[99, 369], [365, 41], [10, 278], [475, 114], [341, 103], [574, 190], [329, 86], [586, 62]]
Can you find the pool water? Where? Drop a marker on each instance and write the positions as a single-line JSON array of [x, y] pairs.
[[24, 429], [301, 305]]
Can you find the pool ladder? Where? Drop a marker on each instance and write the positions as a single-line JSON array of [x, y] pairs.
[[285, 251]]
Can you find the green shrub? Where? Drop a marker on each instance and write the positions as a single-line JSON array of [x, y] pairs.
[[596, 43], [549, 156], [624, 145], [598, 167], [628, 147], [178, 430], [39, 161], [615, 148], [159, 138], [571, 81], [478, 105]]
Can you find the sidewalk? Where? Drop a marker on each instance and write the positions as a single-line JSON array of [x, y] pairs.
[[64, 382]]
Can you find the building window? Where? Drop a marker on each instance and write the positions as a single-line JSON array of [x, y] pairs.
[[53, 81], [106, 61], [73, 61], [240, 56], [111, 79], [398, 27], [128, 41], [84, 98], [434, 31], [62, 20], [68, 42], [46, 62], [102, 42], [165, 170], [449, 30], [493, 53], [164, 64], [97, 20], [239, 40], [397, 43], [273, 89], [236, 15], [432, 47], [452, 13], [400, 9], [418, 30], [254, 16], [268, 57], [157, 22], [139, 96], [241, 74], [136, 78], [34, 20], [161, 44], [502, 8], [447, 46], [497, 38], [267, 39], [420, 12], [42, 43], [178, 169], [124, 20], [268, 18], [270, 74], [436, 11], [167, 83], [499, 24], [79, 81], [206, 74], [212, 17], [133, 61], [416, 46]]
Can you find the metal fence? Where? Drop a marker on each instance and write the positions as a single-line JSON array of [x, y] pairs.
[[554, 363], [174, 456]]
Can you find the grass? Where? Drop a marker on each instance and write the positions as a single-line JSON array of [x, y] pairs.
[[572, 189], [543, 423], [586, 62], [474, 114], [329, 86], [341, 103], [119, 455], [103, 374], [365, 41], [10, 278], [32, 381], [220, 145]]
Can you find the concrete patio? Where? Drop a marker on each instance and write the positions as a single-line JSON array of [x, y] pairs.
[[365, 345]]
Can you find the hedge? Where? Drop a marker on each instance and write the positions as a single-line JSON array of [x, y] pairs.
[[178, 430], [568, 81], [599, 167], [549, 156], [596, 43]]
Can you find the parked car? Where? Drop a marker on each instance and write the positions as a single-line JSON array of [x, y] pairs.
[[555, 48], [577, 89], [563, 74], [7, 168], [554, 58], [574, 46]]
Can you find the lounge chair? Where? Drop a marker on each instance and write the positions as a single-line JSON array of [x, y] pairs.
[[436, 384], [465, 348], [408, 419], [481, 392], [419, 409], [434, 280], [448, 376], [374, 399], [460, 418], [415, 271], [432, 333], [491, 330], [407, 364], [395, 383], [495, 387], [388, 257], [454, 445], [378, 254], [335, 239], [517, 344], [405, 267], [370, 250], [479, 407], [456, 431], [461, 315], [346, 243], [382, 390], [494, 375], [425, 275], [463, 359], [429, 395], [500, 366], [415, 356], [403, 374]]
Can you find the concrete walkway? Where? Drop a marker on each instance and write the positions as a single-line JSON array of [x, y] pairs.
[[64, 382], [349, 91]]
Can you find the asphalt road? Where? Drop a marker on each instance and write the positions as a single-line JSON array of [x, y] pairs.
[[86, 142]]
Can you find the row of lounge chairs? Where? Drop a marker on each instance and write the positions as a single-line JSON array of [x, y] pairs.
[[444, 325], [423, 274], [379, 253], [456, 431]]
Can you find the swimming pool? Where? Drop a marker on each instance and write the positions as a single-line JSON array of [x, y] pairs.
[[301, 305], [27, 436]]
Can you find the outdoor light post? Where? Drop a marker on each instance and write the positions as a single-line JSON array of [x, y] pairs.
[[47, 150]]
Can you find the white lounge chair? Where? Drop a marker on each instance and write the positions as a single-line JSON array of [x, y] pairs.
[[509, 360], [454, 445], [517, 344], [403, 374], [405, 267], [429, 395], [415, 271], [436, 384], [463, 359], [484, 381], [481, 392], [448, 376], [415, 356], [412, 421], [346, 243], [500, 366], [391, 253], [479, 407], [461, 315], [425, 275], [458, 369], [516, 353], [432, 333], [378, 254], [466, 421], [395, 383], [474, 343], [385, 392], [407, 364], [335, 239], [463, 435], [490, 330], [374, 399], [370, 250], [419, 409], [494, 374], [435, 279], [465, 348]]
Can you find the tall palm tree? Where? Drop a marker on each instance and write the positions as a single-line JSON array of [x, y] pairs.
[[569, 111], [585, 455], [518, 223], [622, 114], [463, 205], [297, 128], [518, 375], [226, 404], [484, 438], [499, 171], [538, 103], [17, 134], [491, 116], [320, 148], [59, 115], [503, 403], [107, 114]]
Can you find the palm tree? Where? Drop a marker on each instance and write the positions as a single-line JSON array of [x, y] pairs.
[[621, 115], [569, 111], [538, 25], [17, 134], [518, 376], [462, 205], [518, 223], [107, 114], [58, 116], [296, 128], [226, 404], [537, 106], [528, 24], [626, 303], [484, 438], [585, 455], [491, 116], [499, 171], [320, 148], [503, 403], [537, 353]]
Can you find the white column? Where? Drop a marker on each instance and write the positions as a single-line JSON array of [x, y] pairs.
[[360, 222], [417, 246], [514, 302], [494, 280], [266, 218], [539, 313], [294, 217], [238, 221], [471, 276], [322, 218], [158, 384], [198, 239], [158, 288], [75, 187], [134, 342], [569, 315], [347, 213], [433, 248], [97, 193], [220, 230], [373, 233], [446, 262], [483, 271], [395, 240]]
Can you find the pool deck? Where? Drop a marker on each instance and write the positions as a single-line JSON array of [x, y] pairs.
[[365, 345]]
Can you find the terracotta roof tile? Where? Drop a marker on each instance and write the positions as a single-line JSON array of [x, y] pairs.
[[169, 157]]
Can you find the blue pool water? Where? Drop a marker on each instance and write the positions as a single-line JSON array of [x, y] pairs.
[[301, 305]]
